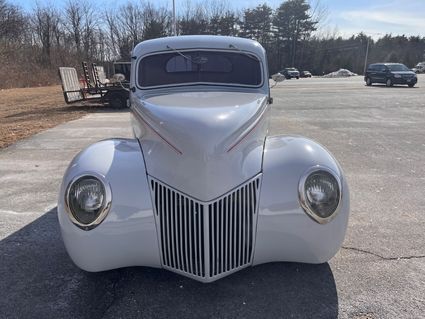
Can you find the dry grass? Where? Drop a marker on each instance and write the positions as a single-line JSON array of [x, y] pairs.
[[26, 111]]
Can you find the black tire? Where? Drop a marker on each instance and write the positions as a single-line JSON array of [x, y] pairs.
[[368, 81], [118, 102], [389, 82], [411, 85], [298, 77]]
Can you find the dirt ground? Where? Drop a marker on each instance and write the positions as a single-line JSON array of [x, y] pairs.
[[26, 111]]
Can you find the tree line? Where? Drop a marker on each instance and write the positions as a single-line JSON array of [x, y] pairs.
[[33, 44]]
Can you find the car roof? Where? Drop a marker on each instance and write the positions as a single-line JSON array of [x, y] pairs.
[[199, 42], [387, 63]]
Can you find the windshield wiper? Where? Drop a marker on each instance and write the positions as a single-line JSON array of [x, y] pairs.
[[196, 60]]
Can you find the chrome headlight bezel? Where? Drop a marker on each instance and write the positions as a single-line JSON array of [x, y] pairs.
[[106, 204], [303, 199]]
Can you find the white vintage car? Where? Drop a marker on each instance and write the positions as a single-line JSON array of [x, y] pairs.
[[201, 189]]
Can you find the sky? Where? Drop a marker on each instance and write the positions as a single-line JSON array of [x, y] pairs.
[[345, 17]]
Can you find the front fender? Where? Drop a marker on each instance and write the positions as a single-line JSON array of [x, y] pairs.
[[127, 236], [284, 231]]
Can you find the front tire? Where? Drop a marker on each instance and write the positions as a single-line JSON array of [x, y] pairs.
[[389, 83], [411, 85], [368, 82]]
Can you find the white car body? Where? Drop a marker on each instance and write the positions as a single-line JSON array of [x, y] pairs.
[[202, 190], [420, 67]]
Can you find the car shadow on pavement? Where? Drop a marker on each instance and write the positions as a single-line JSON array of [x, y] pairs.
[[38, 280], [401, 86]]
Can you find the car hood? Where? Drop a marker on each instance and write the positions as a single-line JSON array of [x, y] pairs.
[[202, 143]]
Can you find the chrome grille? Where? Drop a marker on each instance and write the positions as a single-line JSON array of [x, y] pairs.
[[206, 240]]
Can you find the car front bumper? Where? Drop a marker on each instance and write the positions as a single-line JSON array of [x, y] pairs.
[[411, 80], [152, 224]]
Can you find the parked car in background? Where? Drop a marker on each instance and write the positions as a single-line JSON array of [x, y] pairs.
[[290, 73], [202, 189], [305, 74], [390, 74], [419, 68]]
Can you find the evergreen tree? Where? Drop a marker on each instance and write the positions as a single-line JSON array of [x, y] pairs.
[[292, 23]]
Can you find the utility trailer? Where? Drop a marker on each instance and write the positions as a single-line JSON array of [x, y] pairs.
[[100, 90]]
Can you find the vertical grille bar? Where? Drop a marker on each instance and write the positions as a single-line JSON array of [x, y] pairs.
[[190, 235], [180, 238], [243, 231], [212, 211], [203, 250], [206, 240], [168, 224], [176, 246], [187, 235], [195, 237], [239, 234], [228, 231], [222, 206]]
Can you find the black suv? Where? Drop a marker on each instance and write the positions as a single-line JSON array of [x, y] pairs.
[[390, 73]]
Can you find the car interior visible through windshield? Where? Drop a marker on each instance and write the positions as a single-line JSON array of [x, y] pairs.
[[188, 67]]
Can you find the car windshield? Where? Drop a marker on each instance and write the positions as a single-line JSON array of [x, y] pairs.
[[291, 69], [192, 67], [397, 67]]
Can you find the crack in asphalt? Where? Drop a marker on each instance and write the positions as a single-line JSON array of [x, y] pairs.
[[382, 257], [114, 296]]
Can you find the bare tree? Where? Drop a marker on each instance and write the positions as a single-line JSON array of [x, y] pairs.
[[81, 22], [45, 21], [12, 24], [194, 19], [319, 13], [74, 22], [156, 22], [125, 28], [89, 31]]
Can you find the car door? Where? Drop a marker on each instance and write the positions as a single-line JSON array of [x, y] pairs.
[[372, 72], [382, 74]]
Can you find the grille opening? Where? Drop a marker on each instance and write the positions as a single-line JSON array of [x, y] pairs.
[[205, 239]]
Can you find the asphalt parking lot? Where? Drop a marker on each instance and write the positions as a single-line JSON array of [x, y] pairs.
[[376, 133]]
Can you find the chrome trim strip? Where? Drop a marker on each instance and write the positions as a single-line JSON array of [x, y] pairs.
[[303, 200], [106, 206], [254, 125], [139, 116]]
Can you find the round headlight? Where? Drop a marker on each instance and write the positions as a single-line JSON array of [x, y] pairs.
[[88, 201], [320, 194]]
